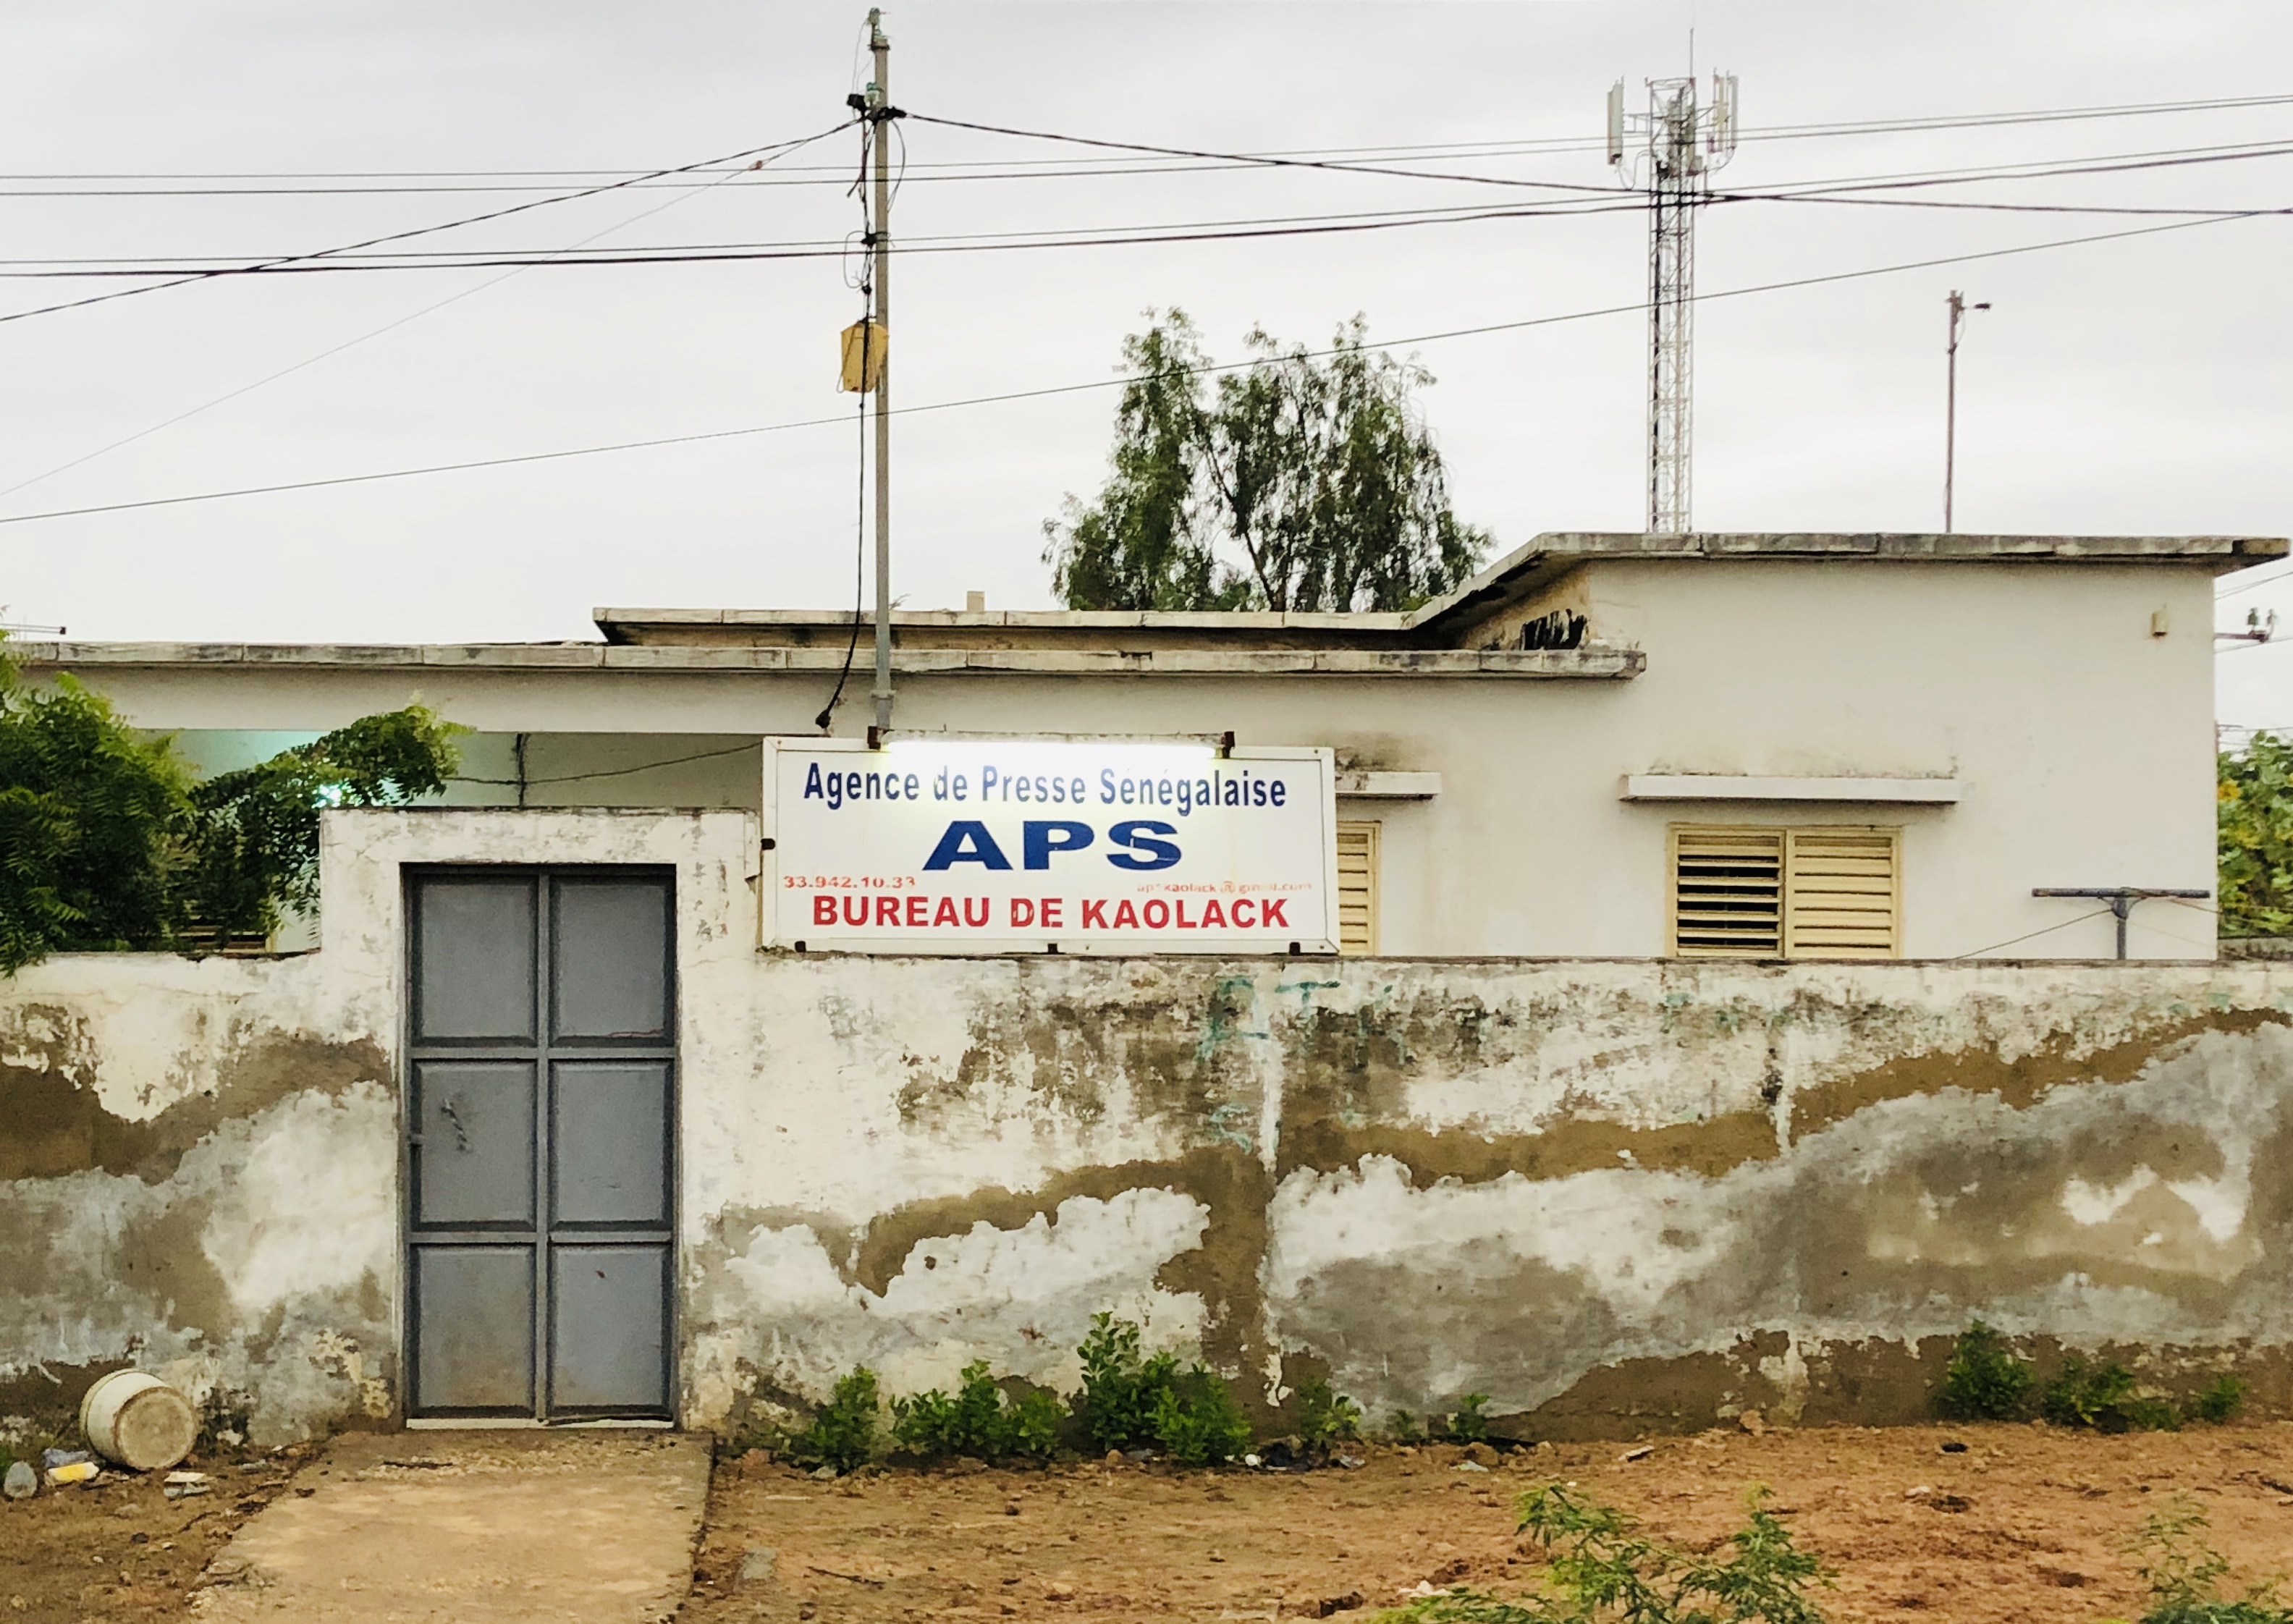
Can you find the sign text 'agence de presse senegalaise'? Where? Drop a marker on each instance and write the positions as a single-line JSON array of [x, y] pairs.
[[1115, 847]]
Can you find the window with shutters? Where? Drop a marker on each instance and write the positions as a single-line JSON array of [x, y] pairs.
[[1812, 893], [1357, 888]]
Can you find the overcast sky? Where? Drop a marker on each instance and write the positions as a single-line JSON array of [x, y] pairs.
[[2130, 386]]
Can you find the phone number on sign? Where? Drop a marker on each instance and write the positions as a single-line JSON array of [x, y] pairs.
[[847, 882]]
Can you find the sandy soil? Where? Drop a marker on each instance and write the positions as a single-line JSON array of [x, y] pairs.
[[120, 1548], [2029, 1524]]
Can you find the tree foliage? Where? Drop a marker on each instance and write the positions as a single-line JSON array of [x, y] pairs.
[[253, 835], [1298, 482], [2253, 818], [107, 843], [89, 813]]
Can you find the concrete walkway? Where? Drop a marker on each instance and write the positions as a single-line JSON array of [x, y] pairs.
[[472, 1527]]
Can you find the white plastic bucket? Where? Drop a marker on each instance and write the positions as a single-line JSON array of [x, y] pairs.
[[139, 1421]]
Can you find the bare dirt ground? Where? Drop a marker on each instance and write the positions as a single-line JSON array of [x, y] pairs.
[[120, 1549], [2029, 1524]]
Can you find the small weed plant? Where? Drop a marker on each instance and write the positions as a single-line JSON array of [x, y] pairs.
[[1121, 1389], [980, 1421], [1984, 1381], [1325, 1417], [1402, 1427], [1133, 1401], [2101, 1395], [1197, 1419], [2218, 1401], [843, 1435], [1031, 1424], [1470, 1422], [1601, 1569], [2184, 1575]]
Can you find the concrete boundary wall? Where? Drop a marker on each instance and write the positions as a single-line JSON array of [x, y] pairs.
[[1614, 1195]]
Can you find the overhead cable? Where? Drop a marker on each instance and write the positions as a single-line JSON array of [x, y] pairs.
[[1636, 308], [546, 178], [290, 261], [349, 344], [2243, 587], [1308, 225]]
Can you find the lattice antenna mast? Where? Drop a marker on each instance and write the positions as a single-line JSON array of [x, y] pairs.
[[1671, 152]]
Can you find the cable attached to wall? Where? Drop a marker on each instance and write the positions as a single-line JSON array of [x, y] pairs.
[[865, 283]]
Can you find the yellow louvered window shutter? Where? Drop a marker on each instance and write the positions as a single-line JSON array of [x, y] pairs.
[[1822, 892], [1727, 892], [1357, 888], [1843, 893]]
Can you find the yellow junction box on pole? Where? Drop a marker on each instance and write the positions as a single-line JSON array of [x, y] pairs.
[[866, 346]]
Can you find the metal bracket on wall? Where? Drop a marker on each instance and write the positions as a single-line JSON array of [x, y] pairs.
[[2120, 898]]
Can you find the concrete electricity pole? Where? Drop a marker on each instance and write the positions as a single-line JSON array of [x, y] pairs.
[[880, 114], [1958, 309], [1684, 143]]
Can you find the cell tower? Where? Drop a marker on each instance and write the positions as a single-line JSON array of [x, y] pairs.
[[1671, 151]]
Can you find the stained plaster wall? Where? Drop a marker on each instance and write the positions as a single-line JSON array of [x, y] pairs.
[[199, 1159], [1612, 1195]]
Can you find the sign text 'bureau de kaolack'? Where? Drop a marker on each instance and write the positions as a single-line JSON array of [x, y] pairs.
[[1026, 844]]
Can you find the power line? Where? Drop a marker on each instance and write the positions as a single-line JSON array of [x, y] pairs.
[[2028, 168], [2048, 930], [580, 778], [1253, 159], [292, 260], [2243, 587], [350, 343], [1600, 200], [451, 259], [999, 242], [1483, 180], [543, 178], [1068, 389]]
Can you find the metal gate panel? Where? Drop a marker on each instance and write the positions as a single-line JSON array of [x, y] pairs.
[[611, 961], [609, 1141], [540, 1116], [473, 957], [474, 1338], [473, 1149], [608, 1336]]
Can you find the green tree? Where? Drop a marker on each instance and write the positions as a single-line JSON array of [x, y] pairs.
[[2254, 821], [252, 840], [107, 843], [1296, 481], [88, 814]]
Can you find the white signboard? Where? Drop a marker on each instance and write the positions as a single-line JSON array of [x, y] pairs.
[[968, 846]]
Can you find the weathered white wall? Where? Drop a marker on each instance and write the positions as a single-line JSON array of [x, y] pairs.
[[1607, 1194], [199, 1160], [2085, 743]]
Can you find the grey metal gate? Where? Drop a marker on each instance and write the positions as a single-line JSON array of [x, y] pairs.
[[540, 1111]]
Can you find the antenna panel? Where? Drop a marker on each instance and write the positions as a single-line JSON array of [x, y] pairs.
[[1720, 140], [1616, 122]]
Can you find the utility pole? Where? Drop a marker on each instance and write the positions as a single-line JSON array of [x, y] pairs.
[[880, 114], [1684, 144], [1958, 309]]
